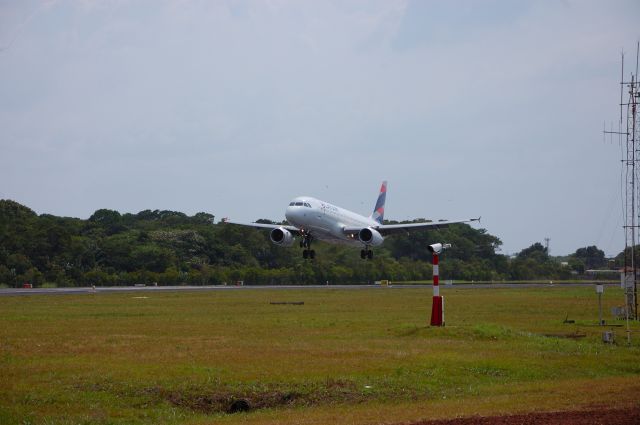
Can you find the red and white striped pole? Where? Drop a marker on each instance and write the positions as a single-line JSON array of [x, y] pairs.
[[436, 309]]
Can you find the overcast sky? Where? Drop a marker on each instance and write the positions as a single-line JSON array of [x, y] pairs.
[[467, 108]]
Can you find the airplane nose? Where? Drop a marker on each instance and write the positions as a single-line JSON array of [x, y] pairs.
[[293, 214], [289, 214]]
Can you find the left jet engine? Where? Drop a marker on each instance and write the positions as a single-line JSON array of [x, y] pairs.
[[281, 236], [370, 236]]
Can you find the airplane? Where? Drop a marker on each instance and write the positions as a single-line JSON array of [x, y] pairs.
[[313, 219]]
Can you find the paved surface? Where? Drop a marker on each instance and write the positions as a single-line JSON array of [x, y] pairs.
[[110, 289]]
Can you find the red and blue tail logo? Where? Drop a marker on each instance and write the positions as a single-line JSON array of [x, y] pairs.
[[378, 211]]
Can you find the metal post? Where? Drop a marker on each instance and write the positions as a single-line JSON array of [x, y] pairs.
[[600, 290], [600, 309]]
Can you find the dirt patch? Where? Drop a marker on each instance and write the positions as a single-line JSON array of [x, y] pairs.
[[231, 402], [572, 335], [627, 416], [234, 401]]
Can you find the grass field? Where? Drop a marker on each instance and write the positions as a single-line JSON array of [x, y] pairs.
[[345, 356]]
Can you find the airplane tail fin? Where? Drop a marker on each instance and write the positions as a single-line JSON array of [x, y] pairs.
[[378, 211]]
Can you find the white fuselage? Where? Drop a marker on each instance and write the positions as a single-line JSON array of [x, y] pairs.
[[325, 221]]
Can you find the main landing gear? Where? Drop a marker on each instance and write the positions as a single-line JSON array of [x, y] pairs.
[[366, 254], [305, 243]]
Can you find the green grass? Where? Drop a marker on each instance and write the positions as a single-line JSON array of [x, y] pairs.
[[176, 357]]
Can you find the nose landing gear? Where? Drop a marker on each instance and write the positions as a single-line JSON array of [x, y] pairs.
[[366, 254], [307, 253]]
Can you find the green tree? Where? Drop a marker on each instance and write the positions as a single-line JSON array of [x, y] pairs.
[[151, 258], [536, 252], [591, 257], [108, 220]]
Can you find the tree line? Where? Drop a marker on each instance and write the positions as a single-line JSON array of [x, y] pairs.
[[170, 248]]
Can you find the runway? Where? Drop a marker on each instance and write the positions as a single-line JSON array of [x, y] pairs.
[[151, 289]]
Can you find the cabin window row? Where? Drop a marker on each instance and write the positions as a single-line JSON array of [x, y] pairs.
[[300, 204]]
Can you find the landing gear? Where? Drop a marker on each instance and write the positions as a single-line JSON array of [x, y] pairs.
[[308, 253], [366, 254]]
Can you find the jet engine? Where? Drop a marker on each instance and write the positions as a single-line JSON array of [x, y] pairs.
[[370, 236], [281, 236]]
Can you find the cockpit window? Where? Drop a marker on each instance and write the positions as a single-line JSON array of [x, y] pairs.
[[292, 204], [306, 204], [298, 204]]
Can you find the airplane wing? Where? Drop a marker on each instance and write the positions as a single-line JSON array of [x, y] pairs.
[[389, 229], [292, 229]]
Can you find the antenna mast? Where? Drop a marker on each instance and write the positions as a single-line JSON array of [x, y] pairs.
[[546, 244], [629, 133]]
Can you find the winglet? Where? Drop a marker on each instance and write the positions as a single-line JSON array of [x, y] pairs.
[[378, 210]]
